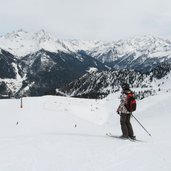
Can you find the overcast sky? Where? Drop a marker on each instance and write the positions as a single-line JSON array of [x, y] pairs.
[[88, 19]]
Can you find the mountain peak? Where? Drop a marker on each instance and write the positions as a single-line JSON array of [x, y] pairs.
[[42, 34], [15, 34]]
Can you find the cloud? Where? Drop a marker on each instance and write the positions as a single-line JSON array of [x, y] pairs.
[[90, 19]]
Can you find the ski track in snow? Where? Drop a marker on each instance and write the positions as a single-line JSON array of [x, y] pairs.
[[68, 134]]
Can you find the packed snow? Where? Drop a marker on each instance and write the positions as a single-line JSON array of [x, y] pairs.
[[69, 134]]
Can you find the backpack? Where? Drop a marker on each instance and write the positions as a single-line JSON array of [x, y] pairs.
[[131, 103]]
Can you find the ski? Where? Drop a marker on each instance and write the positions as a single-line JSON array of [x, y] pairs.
[[119, 137], [115, 136]]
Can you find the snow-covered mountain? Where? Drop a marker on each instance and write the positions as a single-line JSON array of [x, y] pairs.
[[32, 61], [22, 43], [100, 84], [139, 46], [140, 53], [118, 54], [43, 71]]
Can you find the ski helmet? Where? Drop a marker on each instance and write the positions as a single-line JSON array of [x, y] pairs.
[[125, 86]]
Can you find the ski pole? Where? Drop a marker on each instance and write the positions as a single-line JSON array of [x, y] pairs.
[[141, 125]]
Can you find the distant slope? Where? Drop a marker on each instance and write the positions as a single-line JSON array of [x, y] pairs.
[[140, 53], [100, 84], [45, 71]]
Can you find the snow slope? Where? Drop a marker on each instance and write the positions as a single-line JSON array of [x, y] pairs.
[[68, 134]]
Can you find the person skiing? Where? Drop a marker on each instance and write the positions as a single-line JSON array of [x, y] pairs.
[[125, 114]]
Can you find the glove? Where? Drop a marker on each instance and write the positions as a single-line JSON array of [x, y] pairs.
[[118, 111]]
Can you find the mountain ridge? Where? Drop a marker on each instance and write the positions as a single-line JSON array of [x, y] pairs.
[[100, 84], [43, 40], [37, 63]]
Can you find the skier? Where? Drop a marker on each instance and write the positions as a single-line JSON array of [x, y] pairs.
[[125, 115]]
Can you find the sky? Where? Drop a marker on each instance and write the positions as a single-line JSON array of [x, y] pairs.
[[88, 19]]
